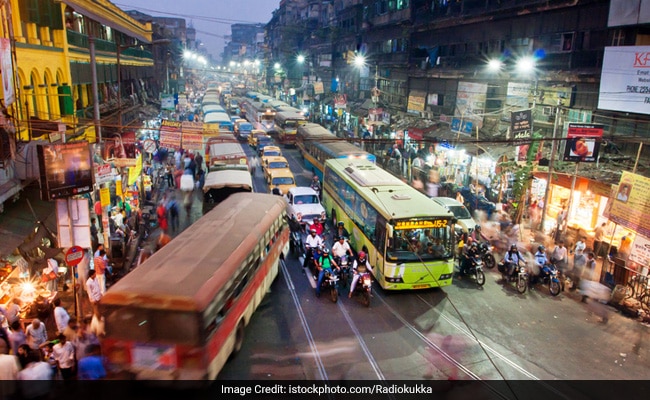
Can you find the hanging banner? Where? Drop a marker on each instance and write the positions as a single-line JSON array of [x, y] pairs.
[[170, 134], [7, 77], [103, 174], [470, 106], [105, 197], [416, 101], [583, 142], [136, 171], [192, 138], [631, 206]]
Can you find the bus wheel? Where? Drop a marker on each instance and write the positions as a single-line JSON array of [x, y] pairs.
[[334, 218], [239, 338]]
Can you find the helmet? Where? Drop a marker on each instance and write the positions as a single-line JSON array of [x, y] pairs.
[[326, 250], [474, 244], [340, 223], [312, 231], [513, 247], [541, 248], [477, 227], [316, 219], [341, 237], [362, 255]]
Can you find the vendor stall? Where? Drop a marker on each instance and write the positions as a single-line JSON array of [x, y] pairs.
[[35, 299]]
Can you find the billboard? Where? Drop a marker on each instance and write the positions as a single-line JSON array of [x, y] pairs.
[[583, 142], [120, 148], [631, 206], [470, 106], [66, 169], [625, 79]]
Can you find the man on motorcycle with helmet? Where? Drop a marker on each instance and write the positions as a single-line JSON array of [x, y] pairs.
[[360, 266], [324, 265], [341, 248], [313, 241], [477, 235], [512, 258], [541, 261], [341, 231], [469, 251]]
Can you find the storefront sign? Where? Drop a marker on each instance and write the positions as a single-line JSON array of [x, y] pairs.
[[170, 134], [416, 101], [318, 88], [192, 141], [521, 123], [470, 106], [640, 252], [631, 206], [103, 173], [583, 142], [340, 101]]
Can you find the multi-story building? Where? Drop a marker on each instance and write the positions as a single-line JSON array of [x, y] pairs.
[[49, 93]]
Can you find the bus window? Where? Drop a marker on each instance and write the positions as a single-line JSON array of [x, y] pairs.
[[149, 325]]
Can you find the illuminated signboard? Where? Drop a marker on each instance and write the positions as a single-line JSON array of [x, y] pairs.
[[421, 224]]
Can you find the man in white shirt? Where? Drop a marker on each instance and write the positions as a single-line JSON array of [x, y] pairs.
[[61, 316], [64, 356], [340, 248], [93, 289], [36, 334], [9, 367]]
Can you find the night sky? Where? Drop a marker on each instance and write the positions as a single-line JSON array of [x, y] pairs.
[[210, 18]]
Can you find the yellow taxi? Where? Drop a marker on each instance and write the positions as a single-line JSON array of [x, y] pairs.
[[273, 163], [270, 151], [254, 135], [282, 179]]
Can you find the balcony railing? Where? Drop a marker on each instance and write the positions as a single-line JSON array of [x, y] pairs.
[[80, 40]]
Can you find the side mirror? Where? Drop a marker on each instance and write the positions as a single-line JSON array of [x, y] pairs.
[[389, 230]]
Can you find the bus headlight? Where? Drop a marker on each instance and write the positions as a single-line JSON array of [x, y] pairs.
[[444, 277], [397, 279]]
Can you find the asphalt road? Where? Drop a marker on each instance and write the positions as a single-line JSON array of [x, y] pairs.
[[461, 332]]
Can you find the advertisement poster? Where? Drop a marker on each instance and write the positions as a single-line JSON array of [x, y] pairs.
[[7, 77], [470, 106], [625, 79], [66, 170], [120, 149], [416, 101], [192, 137], [631, 206], [583, 142], [170, 134]]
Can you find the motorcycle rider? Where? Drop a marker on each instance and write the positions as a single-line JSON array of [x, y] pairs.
[[341, 248], [469, 251], [324, 265], [318, 226], [512, 258], [315, 184], [541, 264], [313, 241], [341, 231], [359, 266], [477, 235]]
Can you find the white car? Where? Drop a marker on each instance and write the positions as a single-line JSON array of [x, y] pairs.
[[465, 220], [304, 204]]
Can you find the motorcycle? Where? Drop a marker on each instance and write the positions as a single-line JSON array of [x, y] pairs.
[[474, 267], [364, 287], [486, 255], [330, 282], [312, 255], [295, 241], [346, 273], [519, 275], [550, 275]]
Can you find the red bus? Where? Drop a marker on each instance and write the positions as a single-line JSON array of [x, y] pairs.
[[182, 312]]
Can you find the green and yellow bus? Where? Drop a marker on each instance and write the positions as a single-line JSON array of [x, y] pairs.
[[407, 236]]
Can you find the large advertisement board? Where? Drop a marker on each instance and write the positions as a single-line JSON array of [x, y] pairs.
[[631, 204], [470, 106], [625, 79], [66, 170]]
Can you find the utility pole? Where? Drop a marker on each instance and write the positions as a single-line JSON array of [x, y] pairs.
[[550, 164]]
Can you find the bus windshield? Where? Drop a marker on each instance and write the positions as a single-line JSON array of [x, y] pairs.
[[151, 325], [409, 245]]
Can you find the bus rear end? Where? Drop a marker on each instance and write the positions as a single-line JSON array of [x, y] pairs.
[[152, 344]]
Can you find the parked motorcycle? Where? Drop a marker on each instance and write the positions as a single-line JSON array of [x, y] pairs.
[[519, 275], [364, 288], [550, 275], [330, 283], [486, 255]]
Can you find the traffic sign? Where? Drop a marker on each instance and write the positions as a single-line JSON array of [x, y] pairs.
[[74, 255], [149, 146]]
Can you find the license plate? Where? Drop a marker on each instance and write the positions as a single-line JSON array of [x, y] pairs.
[[420, 286]]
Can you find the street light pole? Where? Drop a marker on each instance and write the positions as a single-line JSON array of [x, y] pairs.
[[550, 164]]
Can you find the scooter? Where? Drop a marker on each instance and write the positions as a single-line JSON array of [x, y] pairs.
[[364, 287], [519, 275]]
